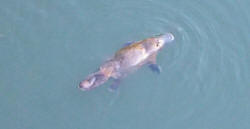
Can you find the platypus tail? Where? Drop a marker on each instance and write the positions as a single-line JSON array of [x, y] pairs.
[[93, 80]]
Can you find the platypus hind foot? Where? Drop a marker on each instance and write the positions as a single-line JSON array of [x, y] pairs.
[[155, 68], [115, 85]]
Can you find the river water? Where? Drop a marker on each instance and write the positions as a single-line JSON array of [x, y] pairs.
[[48, 46]]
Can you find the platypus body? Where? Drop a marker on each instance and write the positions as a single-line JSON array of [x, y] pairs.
[[126, 60]]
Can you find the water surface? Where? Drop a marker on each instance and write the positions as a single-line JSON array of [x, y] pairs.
[[47, 47]]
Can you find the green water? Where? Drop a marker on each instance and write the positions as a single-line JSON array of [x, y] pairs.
[[48, 46]]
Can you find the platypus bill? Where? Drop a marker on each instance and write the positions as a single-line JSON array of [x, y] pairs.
[[126, 60]]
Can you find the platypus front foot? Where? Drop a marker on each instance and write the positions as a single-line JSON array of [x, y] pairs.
[[155, 68]]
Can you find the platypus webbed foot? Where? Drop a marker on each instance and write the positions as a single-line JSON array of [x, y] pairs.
[[115, 85], [128, 43], [155, 68], [93, 81]]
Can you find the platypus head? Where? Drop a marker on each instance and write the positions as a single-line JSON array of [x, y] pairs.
[[156, 43], [165, 38]]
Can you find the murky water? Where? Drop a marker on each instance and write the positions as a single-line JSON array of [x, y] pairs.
[[47, 47]]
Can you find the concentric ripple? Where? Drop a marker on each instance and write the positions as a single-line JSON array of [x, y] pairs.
[[208, 58], [47, 47]]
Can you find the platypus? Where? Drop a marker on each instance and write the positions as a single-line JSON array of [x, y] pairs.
[[126, 60]]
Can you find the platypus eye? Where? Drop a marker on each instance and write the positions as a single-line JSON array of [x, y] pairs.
[[157, 44]]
